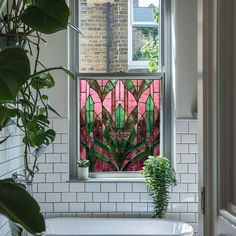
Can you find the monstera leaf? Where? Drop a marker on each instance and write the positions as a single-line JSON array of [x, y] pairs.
[[46, 16], [18, 206], [14, 72]]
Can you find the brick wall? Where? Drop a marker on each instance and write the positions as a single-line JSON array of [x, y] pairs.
[[93, 44]]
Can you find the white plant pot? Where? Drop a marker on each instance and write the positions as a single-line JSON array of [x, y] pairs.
[[82, 172]]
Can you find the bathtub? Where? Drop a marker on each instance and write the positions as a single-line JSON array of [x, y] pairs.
[[115, 226]]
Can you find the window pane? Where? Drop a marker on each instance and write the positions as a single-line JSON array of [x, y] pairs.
[[143, 10], [140, 37], [119, 123]]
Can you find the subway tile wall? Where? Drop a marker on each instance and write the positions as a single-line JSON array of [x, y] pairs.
[[11, 160], [59, 197]]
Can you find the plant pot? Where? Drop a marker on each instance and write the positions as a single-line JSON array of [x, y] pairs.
[[82, 172]]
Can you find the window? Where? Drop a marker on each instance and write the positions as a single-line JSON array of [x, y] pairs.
[[119, 121], [143, 28]]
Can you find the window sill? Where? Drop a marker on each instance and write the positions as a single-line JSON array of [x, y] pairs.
[[109, 180]]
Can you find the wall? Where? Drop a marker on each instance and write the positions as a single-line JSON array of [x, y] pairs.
[[96, 38], [115, 198], [11, 160], [184, 18]]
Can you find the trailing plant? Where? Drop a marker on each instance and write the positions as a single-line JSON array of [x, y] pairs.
[[159, 176], [83, 163], [23, 94]]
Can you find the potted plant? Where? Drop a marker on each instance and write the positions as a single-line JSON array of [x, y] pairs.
[[159, 176], [23, 84], [83, 168]]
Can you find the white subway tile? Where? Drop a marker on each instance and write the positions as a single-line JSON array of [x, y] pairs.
[[60, 148], [57, 139], [178, 138], [124, 187], [124, 207], [181, 126], [181, 168], [193, 148], [150, 207], [174, 197], [192, 207], [189, 138], [53, 215], [53, 177], [39, 197], [53, 158], [145, 197], [100, 215], [131, 214], [68, 214], [116, 197], [68, 197], [76, 207], [45, 168], [179, 207], [61, 187], [53, 197], [180, 188], [182, 148], [132, 197], [172, 216], [187, 197], [92, 207], [45, 187], [139, 207], [65, 177], [46, 207], [61, 167], [108, 207], [115, 215], [188, 158], [92, 187], [139, 187], [84, 197], [193, 188], [177, 158], [188, 178], [193, 168], [100, 197], [193, 126], [76, 187], [65, 157], [61, 207], [108, 187], [187, 217], [40, 178]]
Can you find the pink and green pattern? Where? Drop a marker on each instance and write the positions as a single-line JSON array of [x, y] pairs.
[[119, 123]]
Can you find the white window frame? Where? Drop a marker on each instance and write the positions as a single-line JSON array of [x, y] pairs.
[[134, 64], [167, 114]]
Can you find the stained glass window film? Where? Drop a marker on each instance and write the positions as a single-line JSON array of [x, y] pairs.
[[119, 122]]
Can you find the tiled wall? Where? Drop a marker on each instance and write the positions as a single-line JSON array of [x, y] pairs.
[[58, 197], [11, 160]]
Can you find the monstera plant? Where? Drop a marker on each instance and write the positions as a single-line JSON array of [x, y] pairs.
[[23, 81]]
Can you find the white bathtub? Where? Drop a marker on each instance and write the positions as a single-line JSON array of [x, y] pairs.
[[116, 227]]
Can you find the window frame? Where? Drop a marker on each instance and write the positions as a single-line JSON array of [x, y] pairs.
[[167, 114], [131, 63], [121, 76]]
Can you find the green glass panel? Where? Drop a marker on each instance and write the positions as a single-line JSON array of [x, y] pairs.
[[130, 87], [149, 114], [145, 85], [89, 114], [119, 117]]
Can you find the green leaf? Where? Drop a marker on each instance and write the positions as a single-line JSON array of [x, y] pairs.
[[18, 206], [46, 16], [69, 73], [43, 81], [5, 115], [14, 72]]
